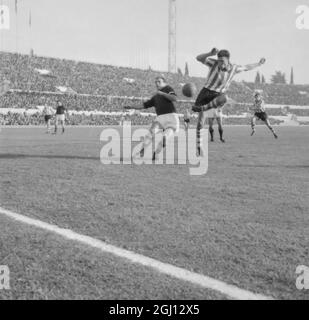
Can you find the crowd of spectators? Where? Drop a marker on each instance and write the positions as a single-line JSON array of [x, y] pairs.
[[97, 79], [109, 89], [283, 94], [34, 119], [84, 109]]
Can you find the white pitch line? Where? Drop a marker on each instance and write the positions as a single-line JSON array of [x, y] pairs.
[[230, 291]]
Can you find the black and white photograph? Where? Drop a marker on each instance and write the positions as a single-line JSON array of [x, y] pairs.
[[154, 154]]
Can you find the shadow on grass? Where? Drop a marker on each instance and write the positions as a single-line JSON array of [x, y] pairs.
[[13, 156], [273, 166], [46, 156]]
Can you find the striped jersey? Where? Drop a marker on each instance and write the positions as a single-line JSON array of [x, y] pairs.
[[48, 111], [258, 106], [219, 80]]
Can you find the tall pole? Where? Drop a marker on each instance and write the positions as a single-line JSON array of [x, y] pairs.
[[16, 24], [172, 37]]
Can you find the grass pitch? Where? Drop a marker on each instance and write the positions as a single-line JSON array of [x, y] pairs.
[[246, 222]]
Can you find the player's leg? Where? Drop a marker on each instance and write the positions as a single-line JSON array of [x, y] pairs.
[[62, 125], [253, 121], [46, 122], [56, 124], [155, 127], [48, 125], [220, 128], [270, 127], [211, 128], [170, 124], [217, 102], [200, 125], [168, 133], [186, 124]]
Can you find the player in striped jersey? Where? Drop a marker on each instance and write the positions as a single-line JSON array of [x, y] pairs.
[[48, 112], [260, 113], [218, 81]]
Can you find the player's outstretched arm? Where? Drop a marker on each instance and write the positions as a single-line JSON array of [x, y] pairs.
[[133, 107], [202, 57], [252, 66], [145, 105], [168, 96]]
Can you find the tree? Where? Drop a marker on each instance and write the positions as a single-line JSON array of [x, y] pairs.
[[278, 78], [257, 78], [292, 76], [263, 79], [179, 71], [187, 69]]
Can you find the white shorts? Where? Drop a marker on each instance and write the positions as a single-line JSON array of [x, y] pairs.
[[169, 120], [214, 113], [60, 117]]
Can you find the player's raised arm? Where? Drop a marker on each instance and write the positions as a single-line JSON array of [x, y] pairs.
[[202, 57], [249, 67]]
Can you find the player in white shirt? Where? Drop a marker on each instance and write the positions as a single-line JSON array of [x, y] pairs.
[[213, 114], [48, 113]]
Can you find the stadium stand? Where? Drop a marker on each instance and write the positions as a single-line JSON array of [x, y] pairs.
[[283, 93], [24, 119], [37, 81]]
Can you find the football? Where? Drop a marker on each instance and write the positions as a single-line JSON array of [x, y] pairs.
[[189, 90]]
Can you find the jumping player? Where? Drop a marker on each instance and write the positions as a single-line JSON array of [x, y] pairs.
[[166, 120], [48, 113], [259, 113], [60, 116], [219, 78]]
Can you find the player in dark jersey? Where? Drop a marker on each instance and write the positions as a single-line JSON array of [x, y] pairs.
[[167, 118], [60, 116]]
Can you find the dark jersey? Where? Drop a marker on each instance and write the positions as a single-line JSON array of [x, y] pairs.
[[162, 104], [60, 110]]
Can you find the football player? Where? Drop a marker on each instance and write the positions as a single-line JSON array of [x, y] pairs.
[[167, 119], [48, 113], [60, 116], [260, 113], [213, 95]]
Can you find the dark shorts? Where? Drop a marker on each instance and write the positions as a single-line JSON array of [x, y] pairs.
[[261, 115], [47, 118], [206, 96], [187, 120]]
